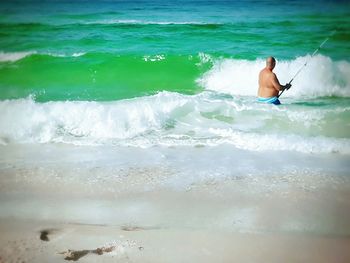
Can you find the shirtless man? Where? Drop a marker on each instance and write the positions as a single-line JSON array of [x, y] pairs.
[[269, 86]]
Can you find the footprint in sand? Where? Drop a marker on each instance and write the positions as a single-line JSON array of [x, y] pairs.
[[75, 255], [44, 234]]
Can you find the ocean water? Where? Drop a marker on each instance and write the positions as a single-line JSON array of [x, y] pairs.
[[175, 73]]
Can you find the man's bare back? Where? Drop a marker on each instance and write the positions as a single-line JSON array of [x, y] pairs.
[[269, 85]]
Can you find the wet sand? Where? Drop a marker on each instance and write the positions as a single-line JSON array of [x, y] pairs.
[[54, 210]]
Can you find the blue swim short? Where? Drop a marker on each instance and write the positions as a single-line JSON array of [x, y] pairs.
[[272, 100]]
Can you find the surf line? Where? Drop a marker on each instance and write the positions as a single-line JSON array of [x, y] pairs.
[[301, 68]]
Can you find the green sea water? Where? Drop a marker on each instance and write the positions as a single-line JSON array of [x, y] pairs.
[[178, 72], [111, 50]]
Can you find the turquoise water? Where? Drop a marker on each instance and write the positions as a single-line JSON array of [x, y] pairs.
[[176, 72]]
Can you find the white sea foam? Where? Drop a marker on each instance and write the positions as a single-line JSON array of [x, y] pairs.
[[321, 77], [154, 58], [78, 54], [173, 119], [14, 56], [63, 55], [266, 142]]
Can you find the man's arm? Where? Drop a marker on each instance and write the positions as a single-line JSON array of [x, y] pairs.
[[276, 84]]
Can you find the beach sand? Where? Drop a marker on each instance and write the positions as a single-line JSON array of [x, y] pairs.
[[20, 242], [55, 208]]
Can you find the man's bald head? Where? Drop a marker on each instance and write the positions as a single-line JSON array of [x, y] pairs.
[[270, 62]]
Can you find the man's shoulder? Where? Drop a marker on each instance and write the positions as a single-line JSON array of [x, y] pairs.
[[267, 72]]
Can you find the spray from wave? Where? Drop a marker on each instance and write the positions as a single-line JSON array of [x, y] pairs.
[[321, 77]]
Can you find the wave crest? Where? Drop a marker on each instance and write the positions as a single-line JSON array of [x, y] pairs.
[[14, 56], [172, 119]]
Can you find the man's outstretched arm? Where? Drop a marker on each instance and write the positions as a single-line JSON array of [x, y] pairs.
[[276, 84]]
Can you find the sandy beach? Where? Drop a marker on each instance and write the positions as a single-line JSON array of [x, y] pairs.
[[20, 242], [55, 208]]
